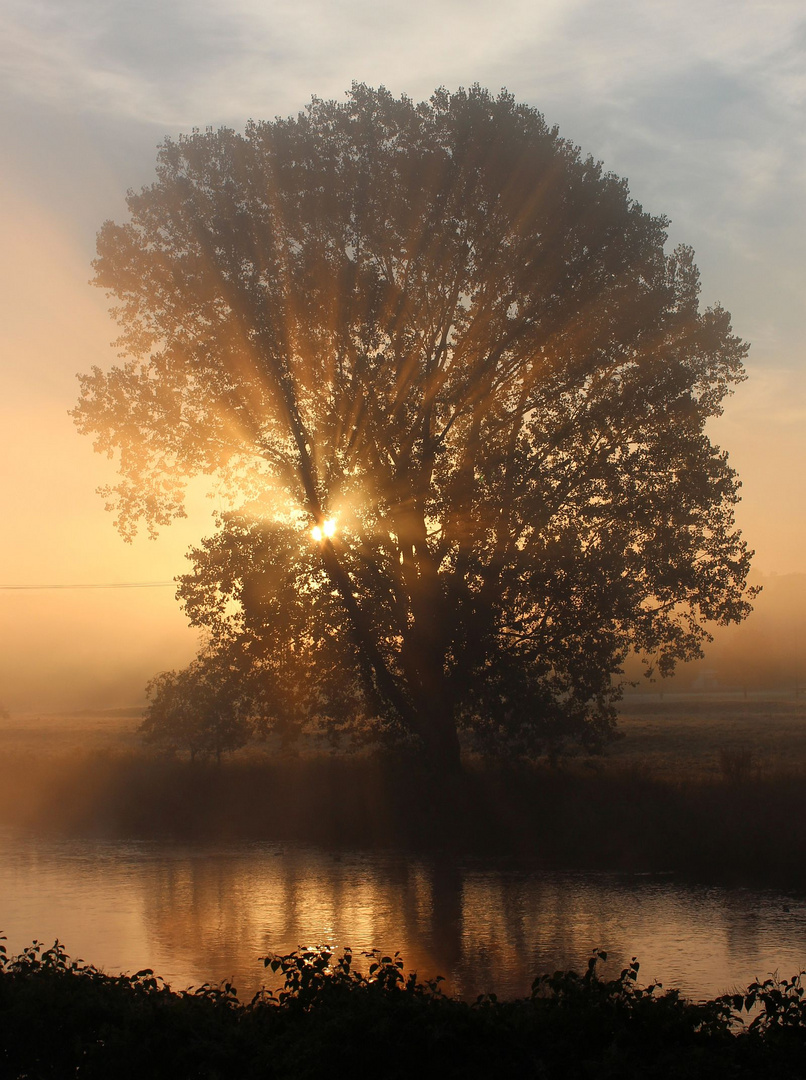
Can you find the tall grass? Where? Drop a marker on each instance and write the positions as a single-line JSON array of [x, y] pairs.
[[739, 825]]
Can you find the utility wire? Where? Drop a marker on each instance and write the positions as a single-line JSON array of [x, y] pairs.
[[111, 585]]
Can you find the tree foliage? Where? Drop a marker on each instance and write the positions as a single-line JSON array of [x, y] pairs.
[[443, 328], [63, 1017], [202, 710]]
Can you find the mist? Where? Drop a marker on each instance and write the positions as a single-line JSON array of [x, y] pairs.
[[766, 653]]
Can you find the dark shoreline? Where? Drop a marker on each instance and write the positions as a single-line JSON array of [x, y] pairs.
[[749, 831]]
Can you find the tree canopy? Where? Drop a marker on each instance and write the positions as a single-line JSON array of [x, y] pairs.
[[204, 710], [456, 349]]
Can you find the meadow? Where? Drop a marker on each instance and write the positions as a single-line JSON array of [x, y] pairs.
[[678, 736], [699, 737]]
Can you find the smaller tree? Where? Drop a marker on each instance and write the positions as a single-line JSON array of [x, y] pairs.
[[201, 710]]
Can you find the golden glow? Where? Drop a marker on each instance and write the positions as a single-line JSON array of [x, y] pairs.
[[326, 529]]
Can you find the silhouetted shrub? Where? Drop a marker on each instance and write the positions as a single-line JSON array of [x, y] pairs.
[[739, 764], [60, 1017], [200, 710]]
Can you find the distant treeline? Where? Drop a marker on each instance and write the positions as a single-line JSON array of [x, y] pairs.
[[62, 1018]]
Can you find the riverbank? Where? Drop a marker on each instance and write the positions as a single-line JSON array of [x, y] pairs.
[[62, 1017], [749, 829], [730, 812]]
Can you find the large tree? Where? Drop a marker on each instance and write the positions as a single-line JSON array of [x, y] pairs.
[[442, 335]]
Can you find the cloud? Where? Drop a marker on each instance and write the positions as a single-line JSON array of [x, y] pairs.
[[170, 62], [700, 105]]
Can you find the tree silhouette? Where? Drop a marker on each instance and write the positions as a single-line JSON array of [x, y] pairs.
[[201, 710], [454, 348]]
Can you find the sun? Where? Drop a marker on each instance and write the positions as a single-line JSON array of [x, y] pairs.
[[326, 530]]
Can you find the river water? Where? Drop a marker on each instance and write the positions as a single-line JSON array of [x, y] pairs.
[[208, 913]]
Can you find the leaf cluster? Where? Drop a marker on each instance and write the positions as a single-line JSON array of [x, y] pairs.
[[62, 1017]]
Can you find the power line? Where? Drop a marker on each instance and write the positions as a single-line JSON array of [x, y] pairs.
[[110, 585]]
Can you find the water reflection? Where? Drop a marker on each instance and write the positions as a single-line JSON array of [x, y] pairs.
[[208, 913]]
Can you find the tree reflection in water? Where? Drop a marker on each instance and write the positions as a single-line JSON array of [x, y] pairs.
[[198, 914]]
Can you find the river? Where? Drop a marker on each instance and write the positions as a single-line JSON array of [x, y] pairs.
[[207, 913]]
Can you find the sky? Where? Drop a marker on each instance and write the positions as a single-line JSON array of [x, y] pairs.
[[700, 105]]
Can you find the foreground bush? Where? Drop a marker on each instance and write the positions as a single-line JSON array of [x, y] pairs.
[[60, 1017]]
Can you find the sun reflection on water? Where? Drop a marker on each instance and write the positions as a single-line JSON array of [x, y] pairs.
[[197, 914]]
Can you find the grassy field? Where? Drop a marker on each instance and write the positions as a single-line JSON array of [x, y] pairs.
[[709, 736], [57, 734], [677, 737]]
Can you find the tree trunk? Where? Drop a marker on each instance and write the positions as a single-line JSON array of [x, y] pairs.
[[434, 718], [437, 729]]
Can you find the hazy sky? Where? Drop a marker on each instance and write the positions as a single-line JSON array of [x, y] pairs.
[[701, 105]]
